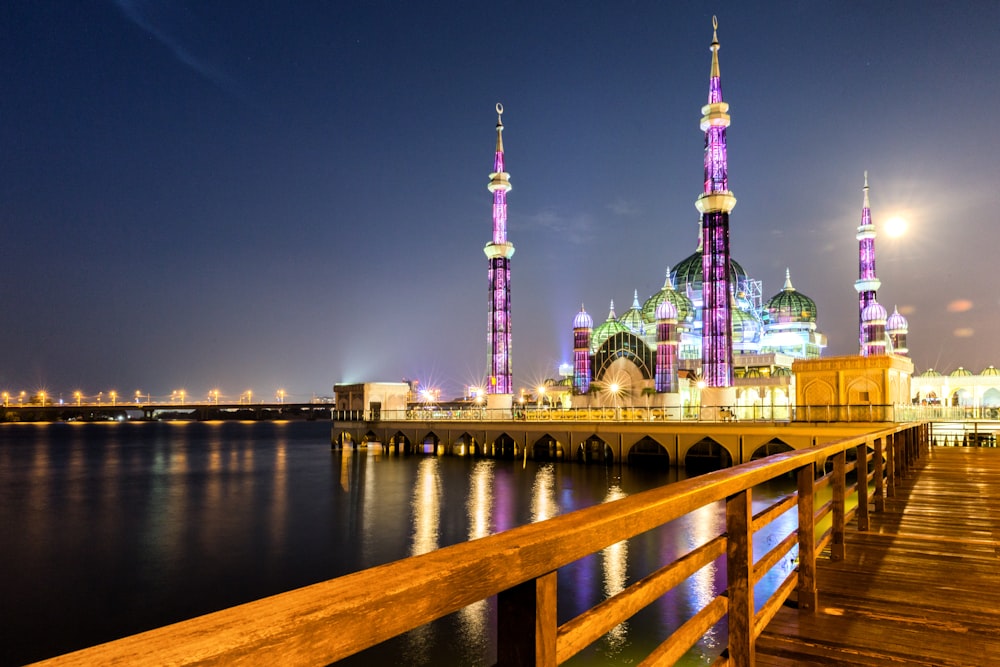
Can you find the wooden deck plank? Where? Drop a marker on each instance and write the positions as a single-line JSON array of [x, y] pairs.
[[919, 587]]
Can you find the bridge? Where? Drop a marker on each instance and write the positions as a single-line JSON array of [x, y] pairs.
[[123, 411], [895, 551]]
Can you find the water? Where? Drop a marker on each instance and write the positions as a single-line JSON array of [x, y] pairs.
[[110, 529]]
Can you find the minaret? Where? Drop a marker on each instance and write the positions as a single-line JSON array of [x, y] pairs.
[[666, 347], [499, 251], [896, 328], [873, 320], [715, 204], [866, 284], [583, 325]]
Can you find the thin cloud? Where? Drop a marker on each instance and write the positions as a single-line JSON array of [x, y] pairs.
[[623, 208], [152, 17], [576, 229]]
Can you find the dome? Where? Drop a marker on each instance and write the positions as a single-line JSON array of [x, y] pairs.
[[689, 272], [632, 318], [666, 311], [790, 305], [606, 329], [781, 371], [930, 373], [896, 322], [746, 329], [667, 293], [960, 372], [873, 312], [583, 320], [990, 370]]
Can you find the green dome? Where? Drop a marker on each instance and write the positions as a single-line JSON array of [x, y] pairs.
[[685, 309], [606, 330], [930, 373], [781, 371], [990, 370], [633, 319], [746, 329], [790, 305], [961, 372], [689, 272]]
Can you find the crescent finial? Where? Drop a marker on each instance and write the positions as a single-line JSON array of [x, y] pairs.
[[499, 109], [715, 22]]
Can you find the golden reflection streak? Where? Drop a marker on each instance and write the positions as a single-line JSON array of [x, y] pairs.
[[614, 560], [543, 494], [279, 503], [426, 504], [479, 508]]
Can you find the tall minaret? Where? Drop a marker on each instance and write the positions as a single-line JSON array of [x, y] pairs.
[[583, 326], [499, 251], [866, 284], [715, 204]]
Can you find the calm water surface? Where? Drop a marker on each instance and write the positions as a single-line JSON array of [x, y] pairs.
[[110, 529]]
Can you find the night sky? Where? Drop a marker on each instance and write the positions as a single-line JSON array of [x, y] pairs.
[[254, 195]]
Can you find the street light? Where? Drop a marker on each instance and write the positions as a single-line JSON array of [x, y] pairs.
[[41, 395], [114, 397], [138, 397], [281, 396], [78, 395], [6, 398]]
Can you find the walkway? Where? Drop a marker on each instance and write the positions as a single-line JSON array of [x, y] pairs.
[[921, 587]]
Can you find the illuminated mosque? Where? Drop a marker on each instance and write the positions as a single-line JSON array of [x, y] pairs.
[[707, 337]]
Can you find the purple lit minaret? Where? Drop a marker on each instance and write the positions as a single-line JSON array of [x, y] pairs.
[[583, 326], [867, 283], [715, 204], [499, 251]]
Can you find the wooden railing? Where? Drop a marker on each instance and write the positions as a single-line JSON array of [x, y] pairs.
[[334, 619]]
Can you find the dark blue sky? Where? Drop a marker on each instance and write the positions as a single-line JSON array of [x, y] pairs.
[[266, 194]]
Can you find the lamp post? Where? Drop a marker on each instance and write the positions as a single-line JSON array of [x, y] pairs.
[[281, 396], [114, 397], [6, 399]]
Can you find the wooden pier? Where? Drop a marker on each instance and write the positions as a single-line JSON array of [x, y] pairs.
[[920, 586], [899, 566]]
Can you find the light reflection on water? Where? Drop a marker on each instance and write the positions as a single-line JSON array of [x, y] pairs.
[[113, 529]]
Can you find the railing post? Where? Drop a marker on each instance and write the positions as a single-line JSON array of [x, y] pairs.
[[839, 501], [807, 537], [526, 624], [739, 573], [862, 475], [879, 474], [890, 465]]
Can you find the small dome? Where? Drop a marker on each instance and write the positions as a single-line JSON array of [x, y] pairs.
[[606, 329], [632, 319], [781, 372], [746, 329], [682, 304], [896, 323], [689, 272], [930, 373], [790, 305], [666, 311], [583, 320], [990, 370], [960, 372], [873, 312]]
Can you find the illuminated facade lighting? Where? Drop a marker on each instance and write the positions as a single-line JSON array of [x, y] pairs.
[[715, 204], [867, 283], [498, 252]]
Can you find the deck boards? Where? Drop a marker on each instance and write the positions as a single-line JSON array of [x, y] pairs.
[[921, 587]]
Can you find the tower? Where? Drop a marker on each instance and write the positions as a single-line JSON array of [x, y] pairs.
[[715, 204], [867, 283], [873, 320], [499, 251], [896, 328], [666, 347], [583, 325]]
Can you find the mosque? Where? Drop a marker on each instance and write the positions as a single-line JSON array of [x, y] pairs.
[[708, 328]]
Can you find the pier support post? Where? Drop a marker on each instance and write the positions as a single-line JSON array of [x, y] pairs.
[[739, 573], [864, 521], [807, 593], [879, 474], [839, 502], [526, 624]]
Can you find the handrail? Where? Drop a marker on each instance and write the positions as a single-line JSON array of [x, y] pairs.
[[297, 627]]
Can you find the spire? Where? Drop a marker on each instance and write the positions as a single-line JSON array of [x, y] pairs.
[[866, 205], [635, 300], [499, 135], [667, 282], [715, 56], [788, 281], [611, 314]]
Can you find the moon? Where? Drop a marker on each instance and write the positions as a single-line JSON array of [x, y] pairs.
[[895, 227]]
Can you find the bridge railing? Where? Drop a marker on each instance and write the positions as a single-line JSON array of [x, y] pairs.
[[331, 620]]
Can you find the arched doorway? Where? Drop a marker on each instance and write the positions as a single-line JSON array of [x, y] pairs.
[[707, 455], [546, 448], [648, 453], [595, 450]]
